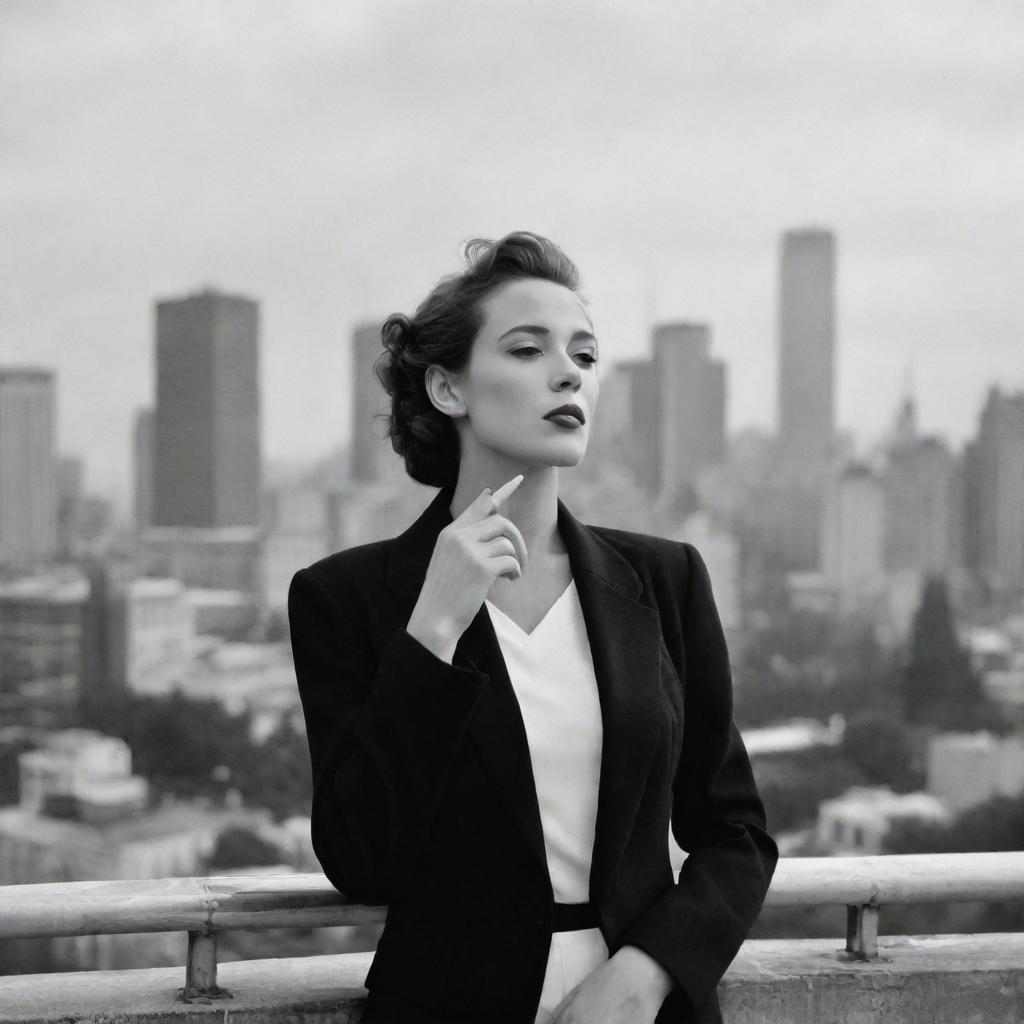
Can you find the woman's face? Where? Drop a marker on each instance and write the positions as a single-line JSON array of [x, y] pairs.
[[535, 352]]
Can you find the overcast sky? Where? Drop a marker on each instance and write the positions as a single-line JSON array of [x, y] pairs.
[[329, 159]]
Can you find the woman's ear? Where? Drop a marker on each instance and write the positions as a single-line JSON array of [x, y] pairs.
[[443, 391]]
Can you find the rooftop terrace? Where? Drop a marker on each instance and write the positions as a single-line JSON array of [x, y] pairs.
[[859, 977]]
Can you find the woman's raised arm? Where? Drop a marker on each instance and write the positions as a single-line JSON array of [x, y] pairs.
[[383, 734], [383, 737]]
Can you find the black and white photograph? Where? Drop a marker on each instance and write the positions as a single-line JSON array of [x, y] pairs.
[[511, 512]]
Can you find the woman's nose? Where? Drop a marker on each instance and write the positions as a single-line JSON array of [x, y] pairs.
[[568, 375]]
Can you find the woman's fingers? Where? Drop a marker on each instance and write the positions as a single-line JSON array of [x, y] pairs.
[[482, 512], [486, 503], [507, 565], [500, 495], [501, 526], [505, 490]]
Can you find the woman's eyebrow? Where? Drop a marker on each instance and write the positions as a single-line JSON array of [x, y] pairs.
[[537, 329]]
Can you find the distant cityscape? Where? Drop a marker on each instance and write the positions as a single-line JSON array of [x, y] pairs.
[[873, 599]]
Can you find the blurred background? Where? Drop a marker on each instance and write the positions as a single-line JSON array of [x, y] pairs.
[[800, 235]]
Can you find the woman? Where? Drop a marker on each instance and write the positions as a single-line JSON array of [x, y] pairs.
[[505, 707]]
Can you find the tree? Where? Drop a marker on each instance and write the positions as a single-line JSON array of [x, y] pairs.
[[995, 825], [239, 847], [793, 786], [880, 747], [939, 687], [280, 777], [177, 742]]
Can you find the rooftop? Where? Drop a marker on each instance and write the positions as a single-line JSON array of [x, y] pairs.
[[905, 978]]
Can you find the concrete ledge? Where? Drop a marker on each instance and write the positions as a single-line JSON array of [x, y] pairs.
[[948, 978], [306, 990], [796, 981]]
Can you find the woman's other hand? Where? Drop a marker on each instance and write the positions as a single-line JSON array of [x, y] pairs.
[[470, 553], [628, 988]]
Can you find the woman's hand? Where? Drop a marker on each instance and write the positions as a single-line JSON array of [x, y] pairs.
[[628, 988], [470, 553]]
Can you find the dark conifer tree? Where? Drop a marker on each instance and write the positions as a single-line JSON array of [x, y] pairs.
[[940, 688]]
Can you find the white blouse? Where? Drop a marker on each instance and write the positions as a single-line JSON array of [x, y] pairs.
[[552, 673]]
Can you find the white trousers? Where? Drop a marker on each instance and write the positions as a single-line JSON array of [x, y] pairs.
[[573, 956]]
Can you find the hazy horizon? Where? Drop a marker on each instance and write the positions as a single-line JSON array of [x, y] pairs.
[[328, 160]]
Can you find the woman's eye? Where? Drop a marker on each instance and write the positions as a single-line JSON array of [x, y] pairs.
[[587, 357]]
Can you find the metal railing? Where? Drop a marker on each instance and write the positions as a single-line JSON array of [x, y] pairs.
[[207, 907]]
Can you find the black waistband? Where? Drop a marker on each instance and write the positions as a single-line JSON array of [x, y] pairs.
[[571, 917]]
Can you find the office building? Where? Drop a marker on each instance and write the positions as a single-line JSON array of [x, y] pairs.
[[923, 486], [28, 466], [296, 533], [807, 342], [206, 429], [151, 636], [853, 537], [42, 645], [220, 558], [641, 387], [994, 506], [689, 408]]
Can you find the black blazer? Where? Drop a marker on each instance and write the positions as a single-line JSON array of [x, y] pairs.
[[423, 792]]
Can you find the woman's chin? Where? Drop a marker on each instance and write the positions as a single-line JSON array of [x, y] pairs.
[[565, 460]]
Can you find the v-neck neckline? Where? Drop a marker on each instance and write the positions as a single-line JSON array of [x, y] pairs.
[[547, 615]]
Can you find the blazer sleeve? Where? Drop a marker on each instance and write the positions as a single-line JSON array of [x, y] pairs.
[[383, 733], [696, 928]]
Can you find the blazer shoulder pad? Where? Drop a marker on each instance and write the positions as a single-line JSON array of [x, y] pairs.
[[352, 563]]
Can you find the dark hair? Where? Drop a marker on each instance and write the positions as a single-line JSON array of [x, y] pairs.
[[441, 332]]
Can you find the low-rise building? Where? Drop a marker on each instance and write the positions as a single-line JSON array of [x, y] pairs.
[[151, 635], [857, 822], [258, 678], [80, 774], [966, 769], [82, 816], [224, 613], [793, 736], [42, 643]]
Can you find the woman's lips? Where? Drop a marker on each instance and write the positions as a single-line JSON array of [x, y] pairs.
[[563, 419]]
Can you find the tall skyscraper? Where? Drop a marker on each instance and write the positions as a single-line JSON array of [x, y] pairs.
[[690, 406], [28, 466], [206, 436], [806, 382], [373, 458], [806, 385], [995, 507], [641, 385]]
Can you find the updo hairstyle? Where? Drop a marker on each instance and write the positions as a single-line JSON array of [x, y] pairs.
[[441, 332]]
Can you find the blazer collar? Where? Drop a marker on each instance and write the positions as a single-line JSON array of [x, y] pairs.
[[625, 643]]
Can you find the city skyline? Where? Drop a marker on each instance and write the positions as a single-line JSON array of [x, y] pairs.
[[125, 497], [666, 149]]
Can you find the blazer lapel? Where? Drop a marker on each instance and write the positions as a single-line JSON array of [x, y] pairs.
[[625, 638]]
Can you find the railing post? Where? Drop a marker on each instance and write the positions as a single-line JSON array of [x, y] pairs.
[[201, 970], [862, 931]]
